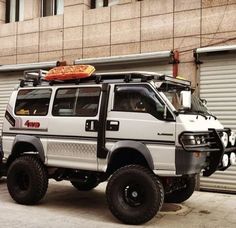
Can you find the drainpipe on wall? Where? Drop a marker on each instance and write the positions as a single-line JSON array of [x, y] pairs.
[[175, 62]]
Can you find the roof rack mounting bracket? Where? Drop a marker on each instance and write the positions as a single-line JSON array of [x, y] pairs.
[[98, 79], [128, 78]]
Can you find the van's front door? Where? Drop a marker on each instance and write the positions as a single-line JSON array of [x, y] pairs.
[[139, 114], [73, 127]]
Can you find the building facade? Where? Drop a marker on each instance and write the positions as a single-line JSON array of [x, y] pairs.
[[126, 27], [196, 37]]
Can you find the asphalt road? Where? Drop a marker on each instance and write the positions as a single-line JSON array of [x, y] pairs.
[[64, 206]]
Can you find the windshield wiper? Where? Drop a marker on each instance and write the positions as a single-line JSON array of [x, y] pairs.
[[212, 115], [201, 113]]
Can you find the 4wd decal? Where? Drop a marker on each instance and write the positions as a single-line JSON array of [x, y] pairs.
[[32, 124]]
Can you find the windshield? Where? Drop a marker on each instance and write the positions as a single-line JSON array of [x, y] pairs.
[[172, 92]]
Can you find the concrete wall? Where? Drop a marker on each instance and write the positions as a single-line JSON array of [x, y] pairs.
[[128, 28]]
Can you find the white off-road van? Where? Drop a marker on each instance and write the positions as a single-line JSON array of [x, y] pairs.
[[146, 134]]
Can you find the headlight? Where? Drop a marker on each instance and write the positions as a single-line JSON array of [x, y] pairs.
[[198, 140], [224, 139], [232, 158], [232, 138], [189, 140], [225, 160]]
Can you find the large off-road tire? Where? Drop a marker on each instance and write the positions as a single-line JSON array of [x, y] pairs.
[[27, 180], [184, 193], [134, 194], [86, 184]]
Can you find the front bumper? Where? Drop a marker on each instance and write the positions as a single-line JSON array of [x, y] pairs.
[[212, 148]]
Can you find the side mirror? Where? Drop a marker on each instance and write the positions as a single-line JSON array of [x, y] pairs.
[[185, 97], [204, 101]]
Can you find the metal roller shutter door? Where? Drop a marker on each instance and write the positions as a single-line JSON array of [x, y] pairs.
[[7, 84], [218, 87], [155, 67], [158, 62]]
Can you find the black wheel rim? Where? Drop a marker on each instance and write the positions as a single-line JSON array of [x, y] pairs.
[[22, 180], [134, 195]]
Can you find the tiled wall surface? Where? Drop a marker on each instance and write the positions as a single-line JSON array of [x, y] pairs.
[[2, 11], [128, 28]]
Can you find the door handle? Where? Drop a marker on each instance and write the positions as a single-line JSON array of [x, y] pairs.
[[113, 125], [91, 125]]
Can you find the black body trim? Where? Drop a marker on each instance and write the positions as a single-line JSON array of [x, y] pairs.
[[188, 163], [144, 141], [93, 138], [29, 129], [101, 149], [10, 119], [52, 136], [29, 139]]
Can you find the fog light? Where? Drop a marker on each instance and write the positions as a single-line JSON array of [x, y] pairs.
[[225, 160], [232, 158], [224, 139], [232, 138]]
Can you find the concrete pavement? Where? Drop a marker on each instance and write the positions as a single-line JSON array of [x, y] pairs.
[[63, 206]]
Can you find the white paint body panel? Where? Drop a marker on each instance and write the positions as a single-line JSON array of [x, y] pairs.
[[67, 144]]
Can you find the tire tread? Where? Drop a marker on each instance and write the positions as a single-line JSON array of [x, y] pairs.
[[152, 210], [40, 180]]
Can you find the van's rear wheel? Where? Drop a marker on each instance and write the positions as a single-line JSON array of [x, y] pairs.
[[134, 194], [27, 180], [182, 194]]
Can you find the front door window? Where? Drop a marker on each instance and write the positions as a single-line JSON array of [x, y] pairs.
[[138, 98]]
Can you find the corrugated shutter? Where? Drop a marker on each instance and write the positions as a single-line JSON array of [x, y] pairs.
[[218, 87], [158, 62], [7, 83], [158, 68]]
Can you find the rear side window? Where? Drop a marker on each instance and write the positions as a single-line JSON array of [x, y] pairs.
[[32, 102], [76, 101]]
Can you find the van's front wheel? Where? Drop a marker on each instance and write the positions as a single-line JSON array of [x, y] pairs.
[[27, 180], [134, 194]]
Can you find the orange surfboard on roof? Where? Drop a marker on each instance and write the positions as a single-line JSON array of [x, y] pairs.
[[69, 72]]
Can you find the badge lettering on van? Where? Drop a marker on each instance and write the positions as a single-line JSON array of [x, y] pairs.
[[32, 124]]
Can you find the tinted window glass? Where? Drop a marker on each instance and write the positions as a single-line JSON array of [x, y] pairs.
[[32, 102], [76, 102], [138, 99]]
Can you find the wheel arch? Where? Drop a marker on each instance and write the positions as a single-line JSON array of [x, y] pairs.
[[26, 143], [129, 152]]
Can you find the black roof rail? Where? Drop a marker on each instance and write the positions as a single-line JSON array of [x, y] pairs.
[[36, 77]]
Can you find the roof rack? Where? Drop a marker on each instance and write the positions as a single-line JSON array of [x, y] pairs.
[[36, 77]]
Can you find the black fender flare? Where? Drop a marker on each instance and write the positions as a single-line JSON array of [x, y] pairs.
[[34, 141], [134, 145]]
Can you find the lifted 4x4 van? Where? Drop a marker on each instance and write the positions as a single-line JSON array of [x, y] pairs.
[[146, 134]]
